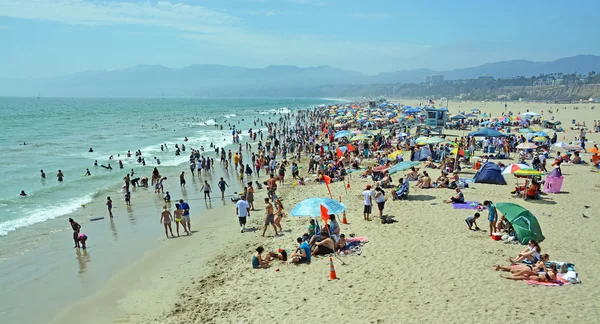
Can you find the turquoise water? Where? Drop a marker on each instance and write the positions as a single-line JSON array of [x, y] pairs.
[[59, 132]]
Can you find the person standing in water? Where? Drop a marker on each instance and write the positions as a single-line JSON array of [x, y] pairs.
[[207, 190], [42, 174], [186, 214], [60, 175], [182, 179], [109, 206], [165, 219], [222, 184], [76, 228]]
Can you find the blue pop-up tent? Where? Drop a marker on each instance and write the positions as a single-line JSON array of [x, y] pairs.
[[486, 132], [489, 173]]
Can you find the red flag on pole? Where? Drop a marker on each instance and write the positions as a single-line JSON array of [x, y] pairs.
[[324, 214], [327, 182]]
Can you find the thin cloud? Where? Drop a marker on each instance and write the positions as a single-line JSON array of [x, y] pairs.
[[370, 15], [263, 12], [165, 14], [5, 28], [317, 3]]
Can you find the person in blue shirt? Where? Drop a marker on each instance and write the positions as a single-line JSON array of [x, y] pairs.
[[186, 214], [302, 255], [493, 215]]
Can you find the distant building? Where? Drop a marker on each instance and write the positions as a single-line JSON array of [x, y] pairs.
[[434, 79], [486, 78]]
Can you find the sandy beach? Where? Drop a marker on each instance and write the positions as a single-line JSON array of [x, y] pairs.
[[425, 267]]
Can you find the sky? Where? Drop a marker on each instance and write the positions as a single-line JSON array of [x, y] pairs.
[[41, 38]]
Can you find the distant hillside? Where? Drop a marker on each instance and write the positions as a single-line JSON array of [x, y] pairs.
[[219, 80]]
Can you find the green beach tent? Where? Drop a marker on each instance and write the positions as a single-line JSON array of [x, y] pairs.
[[523, 221]]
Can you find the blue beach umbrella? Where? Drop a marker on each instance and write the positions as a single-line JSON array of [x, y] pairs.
[[312, 207], [341, 134]]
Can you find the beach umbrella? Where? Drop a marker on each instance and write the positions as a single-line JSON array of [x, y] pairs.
[[460, 152], [312, 207], [539, 139], [526, 145], [471, 115], [540, 133], [394, 155], [523, 221], [561, 145], [526, 130], [512, 168], [573, 147], [527, 173], [402, 166], [341, 134], [359, 137], [475, 110]]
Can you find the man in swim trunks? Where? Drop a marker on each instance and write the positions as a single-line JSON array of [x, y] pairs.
[[186, 214], [182, 179], [207, 190], [242, 209], [270, 217], [222, 184], [76, 228], [59, 175]]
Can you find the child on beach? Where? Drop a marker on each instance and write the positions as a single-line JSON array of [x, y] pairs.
[[81, 239], [109, 206], [492, 217], [128, 198], [472, 220]]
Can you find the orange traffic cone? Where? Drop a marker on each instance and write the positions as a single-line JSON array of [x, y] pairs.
[[332, 275], [344, 221]]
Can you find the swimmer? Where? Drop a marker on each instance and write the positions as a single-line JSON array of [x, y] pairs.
[[42, 174], [90, 150], [60, 175], [23, 193], [96, 163], [87, 172]]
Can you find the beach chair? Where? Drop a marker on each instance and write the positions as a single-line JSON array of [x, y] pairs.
[[403, 192]]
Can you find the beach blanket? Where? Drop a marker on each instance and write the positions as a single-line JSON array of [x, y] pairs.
[[558, 283], [354, 245], [466, 180], [468, 205]]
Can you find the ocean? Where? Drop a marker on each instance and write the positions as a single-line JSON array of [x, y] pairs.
[[52, 134]]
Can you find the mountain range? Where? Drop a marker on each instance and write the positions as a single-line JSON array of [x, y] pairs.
[[219, 80]]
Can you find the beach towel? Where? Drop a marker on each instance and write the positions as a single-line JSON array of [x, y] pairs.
[[466, 180], [354, 245], [468, 205], [558, 283]]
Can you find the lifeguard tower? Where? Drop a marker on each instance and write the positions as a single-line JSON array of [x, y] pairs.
[[434, 120]]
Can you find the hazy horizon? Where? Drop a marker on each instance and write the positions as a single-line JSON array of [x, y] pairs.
[[43, 38]]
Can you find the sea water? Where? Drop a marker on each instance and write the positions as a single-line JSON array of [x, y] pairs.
[[54, 134]]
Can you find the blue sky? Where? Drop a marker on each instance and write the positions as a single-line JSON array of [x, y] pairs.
[[53, 37]]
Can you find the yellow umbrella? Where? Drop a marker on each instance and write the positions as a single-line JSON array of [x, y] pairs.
[[539, 139], [394, 155]]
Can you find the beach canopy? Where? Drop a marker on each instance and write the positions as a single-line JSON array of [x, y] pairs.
[[489, 173], [561, 144], [530, 114], [526, 130], [486, 132], [523, 221], [312, 207], [458, 117]]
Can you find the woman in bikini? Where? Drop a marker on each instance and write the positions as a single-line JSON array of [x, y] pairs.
[[165, 218], [526, 269], [547, 276], [177, 215], [278, 213]]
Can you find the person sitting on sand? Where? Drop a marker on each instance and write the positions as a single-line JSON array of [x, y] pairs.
[[442, 181], [302, 255], [549, 276], [459, 198], [340, 245], [368, 172], [281, 255], [324, 247], [257, 260], [531, 253], [424, 181], [413, 174], [577, 159], [429, 163], [472, 220], [532, 191]]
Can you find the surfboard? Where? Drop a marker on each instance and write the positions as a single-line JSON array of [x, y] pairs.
[[97, 218]]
